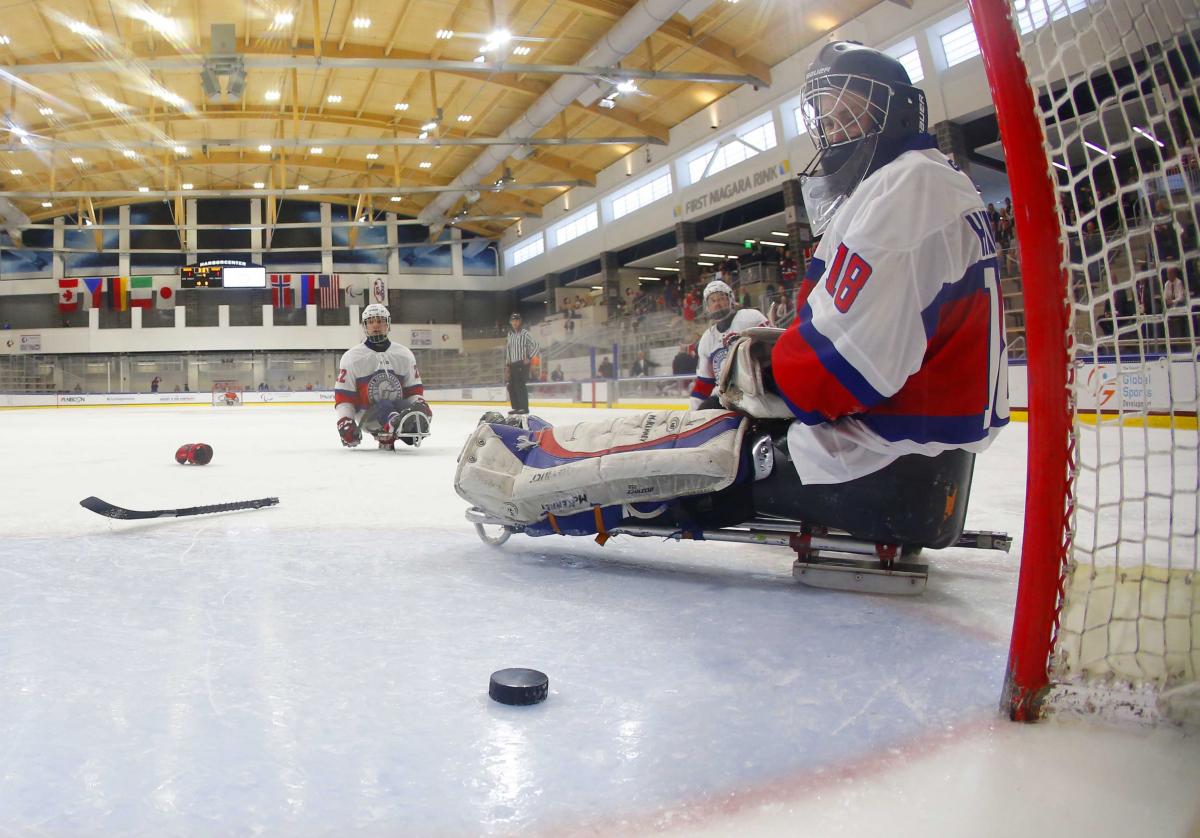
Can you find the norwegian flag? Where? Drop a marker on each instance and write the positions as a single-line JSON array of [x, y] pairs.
[[328, 287], [281, 290]]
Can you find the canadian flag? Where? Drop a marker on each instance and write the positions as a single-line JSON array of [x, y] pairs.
[[68, 295]]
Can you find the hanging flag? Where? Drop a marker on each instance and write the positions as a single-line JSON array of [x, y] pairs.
[[379, 291], [95, 287], [115, 293], [141, 292], [164, 291], [308, 289], [328, 286], [68, 295], [281, 290]]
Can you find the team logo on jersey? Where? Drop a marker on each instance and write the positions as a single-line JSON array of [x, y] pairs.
[[384, 384]]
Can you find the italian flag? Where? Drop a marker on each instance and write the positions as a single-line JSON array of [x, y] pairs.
[[141, 292]]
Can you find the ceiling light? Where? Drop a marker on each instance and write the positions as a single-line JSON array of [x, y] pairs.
[[705, 264], [181, 149], [362, 23], [714, 255], [499, 37], [464, 117], [777, 233], [264, 148], [15, 172], [143, 189], [429, 126], [47, 204], [272, 96], [607, 104], [130, 153], [1149, 136], [333, 98], [284, 18], [186, 185], [258, 184], [522, 50], [83, 30], [425, 164], [395, 199], [303, 187], [112, 104], [46, 111], [627, 86], [772, 244], [78, 161], [87, 222], [5, 40], [479, 59], [371, 155], [424, 135], [316, 150], [445, 34], [649, 278], [1058, 165], [401, 106], [1095, 147], [667, 269], [156, 21]]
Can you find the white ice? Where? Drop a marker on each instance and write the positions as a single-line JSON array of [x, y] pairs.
[[321, 668]]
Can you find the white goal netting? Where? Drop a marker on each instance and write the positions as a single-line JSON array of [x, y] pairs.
[[227, 394], [1115, 83]]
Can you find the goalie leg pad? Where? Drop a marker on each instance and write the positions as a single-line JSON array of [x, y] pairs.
[[523, 476]]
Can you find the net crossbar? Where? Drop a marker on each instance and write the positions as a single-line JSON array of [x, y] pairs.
[[1108, 616]]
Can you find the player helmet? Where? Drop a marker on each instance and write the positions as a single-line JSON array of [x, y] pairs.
[[372, 316], [718, 300], [860, 109]]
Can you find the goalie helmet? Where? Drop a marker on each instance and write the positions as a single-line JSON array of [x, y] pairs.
[[716, 291], [860, 109], [376, 311]]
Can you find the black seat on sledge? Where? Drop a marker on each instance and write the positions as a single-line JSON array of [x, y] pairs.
[[917, 501]]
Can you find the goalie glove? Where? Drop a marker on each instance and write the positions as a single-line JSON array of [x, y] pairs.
[[742, 384], [349, 432]]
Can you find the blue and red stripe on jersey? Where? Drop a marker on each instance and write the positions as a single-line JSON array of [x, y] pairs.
[[944, 401], [361, 397], [702, 387]]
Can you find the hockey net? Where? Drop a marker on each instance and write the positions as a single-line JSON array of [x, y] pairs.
[[228, 394], [1107, 618]]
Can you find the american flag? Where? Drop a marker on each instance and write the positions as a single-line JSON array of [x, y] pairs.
[[328, 288]]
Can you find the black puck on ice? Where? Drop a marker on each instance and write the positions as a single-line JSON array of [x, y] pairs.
[[519, 686]]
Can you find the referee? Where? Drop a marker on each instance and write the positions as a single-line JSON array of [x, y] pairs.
[[518, 352]]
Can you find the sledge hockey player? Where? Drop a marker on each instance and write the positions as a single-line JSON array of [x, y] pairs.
[[727, 323], [893, 376], [379, 388]]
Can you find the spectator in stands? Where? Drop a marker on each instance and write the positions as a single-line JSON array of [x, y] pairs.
[[1166, 232], [557, 374], [1093, 248], [154, 382], [789, 272], [685, 361], [641, 366], [605, 370], [1175, 299], [690, 305]]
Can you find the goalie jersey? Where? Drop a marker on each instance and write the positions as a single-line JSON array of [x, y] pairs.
[[366, 376], [898, 345]]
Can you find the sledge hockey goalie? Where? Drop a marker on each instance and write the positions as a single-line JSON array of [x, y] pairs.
[[865, 415], [378, 388]]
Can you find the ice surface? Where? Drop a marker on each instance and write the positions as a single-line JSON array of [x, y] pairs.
[[321, 667]]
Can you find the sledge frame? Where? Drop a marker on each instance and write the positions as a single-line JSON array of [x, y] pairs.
[[824, 558]]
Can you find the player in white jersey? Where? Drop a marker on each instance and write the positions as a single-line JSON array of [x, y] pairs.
[[728, 323], [379, 388], [894, 374]]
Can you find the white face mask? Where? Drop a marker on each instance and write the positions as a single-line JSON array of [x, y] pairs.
[[824, 194]]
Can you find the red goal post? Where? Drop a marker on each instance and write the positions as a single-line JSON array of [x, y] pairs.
[[1104, 621]]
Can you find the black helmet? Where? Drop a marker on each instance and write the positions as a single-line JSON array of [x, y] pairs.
[[860, 108]]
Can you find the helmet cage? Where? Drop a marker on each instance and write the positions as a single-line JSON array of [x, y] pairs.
[[376, 311]]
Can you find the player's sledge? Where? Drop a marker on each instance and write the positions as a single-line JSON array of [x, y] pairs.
[[655, 475]]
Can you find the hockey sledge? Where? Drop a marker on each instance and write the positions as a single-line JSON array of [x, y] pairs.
[[868, 535]]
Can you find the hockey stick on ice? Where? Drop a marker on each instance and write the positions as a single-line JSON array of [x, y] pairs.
[[101, 507]]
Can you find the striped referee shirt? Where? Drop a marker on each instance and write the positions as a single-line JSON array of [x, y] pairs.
[[520, 347]]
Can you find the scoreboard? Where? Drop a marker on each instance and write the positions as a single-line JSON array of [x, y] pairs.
[[202, 276]]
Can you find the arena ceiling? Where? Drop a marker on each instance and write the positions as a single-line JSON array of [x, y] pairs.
[[113, 102]]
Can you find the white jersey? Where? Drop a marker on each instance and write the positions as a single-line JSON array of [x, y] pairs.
[[899, 343], [714, 346], [366, 376]]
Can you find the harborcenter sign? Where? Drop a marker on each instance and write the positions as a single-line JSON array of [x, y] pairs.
[[708, 195]]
